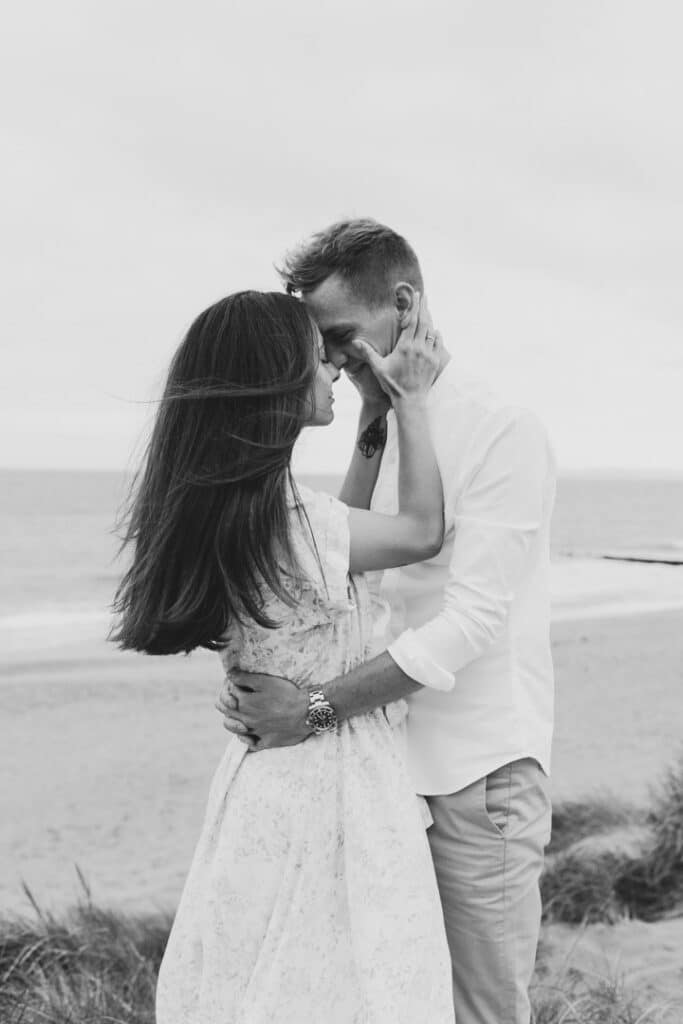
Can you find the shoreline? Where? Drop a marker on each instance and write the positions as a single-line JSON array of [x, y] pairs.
[[69, 662], [581, 589]]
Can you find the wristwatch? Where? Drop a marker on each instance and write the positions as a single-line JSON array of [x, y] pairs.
[[321, 715]]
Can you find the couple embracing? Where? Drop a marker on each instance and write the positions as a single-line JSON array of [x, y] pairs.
[[374, 834]]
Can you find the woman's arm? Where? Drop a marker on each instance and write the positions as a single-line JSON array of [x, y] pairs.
[[416, 531], [361, 475]]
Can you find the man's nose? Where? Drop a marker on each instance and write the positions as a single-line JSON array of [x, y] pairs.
[[334, 371], [335, 357]]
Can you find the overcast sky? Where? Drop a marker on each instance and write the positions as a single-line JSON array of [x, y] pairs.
[[160, 155]]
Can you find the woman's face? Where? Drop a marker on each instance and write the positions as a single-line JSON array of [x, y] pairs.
[[321, 391]]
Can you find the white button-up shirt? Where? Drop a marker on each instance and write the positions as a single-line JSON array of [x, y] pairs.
[[472, 624]]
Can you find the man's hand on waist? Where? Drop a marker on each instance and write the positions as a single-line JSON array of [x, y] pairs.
[[263, 711]]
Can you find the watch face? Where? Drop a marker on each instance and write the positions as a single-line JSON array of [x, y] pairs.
[[322, 718]]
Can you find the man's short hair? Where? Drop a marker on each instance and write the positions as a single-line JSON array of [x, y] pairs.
[[369, 256]]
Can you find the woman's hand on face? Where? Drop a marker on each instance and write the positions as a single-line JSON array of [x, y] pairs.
[[410, 369], [368, 386]]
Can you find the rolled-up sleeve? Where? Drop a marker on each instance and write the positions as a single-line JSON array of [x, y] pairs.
[[502, 504]]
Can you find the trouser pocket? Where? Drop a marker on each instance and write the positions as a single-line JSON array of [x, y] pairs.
[[497, 788]]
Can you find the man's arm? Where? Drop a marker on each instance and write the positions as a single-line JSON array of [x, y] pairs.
[[500, 511], [503, 506], [372, 685], [268, 711]]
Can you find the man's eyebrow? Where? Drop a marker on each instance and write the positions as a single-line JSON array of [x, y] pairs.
[[337, 329]]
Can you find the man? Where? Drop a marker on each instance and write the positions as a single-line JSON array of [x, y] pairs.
[[471, 650]]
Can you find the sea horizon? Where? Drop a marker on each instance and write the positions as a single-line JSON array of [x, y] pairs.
[[58, 548]]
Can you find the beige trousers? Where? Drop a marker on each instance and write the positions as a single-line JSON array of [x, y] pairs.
[[487, 844]]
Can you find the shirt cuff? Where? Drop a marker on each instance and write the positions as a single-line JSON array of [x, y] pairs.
[[412, 659]]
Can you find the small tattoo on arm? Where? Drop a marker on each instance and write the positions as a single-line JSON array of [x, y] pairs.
[[373, 438]]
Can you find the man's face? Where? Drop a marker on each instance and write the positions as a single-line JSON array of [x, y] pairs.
[[341, 317]]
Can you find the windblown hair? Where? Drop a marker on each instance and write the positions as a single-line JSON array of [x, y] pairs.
[[370, 257], [210, 509]]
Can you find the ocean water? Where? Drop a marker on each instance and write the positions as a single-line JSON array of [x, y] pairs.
[[58, 547]]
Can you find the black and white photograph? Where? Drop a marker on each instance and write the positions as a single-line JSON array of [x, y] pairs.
[[341, 513]]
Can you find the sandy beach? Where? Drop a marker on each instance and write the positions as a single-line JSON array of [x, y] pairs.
[[107, 757]]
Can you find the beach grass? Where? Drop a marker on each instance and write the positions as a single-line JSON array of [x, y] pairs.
[[89, 966], [604, 875], [651, 885], [576, 888], [579, 819], [98, 966], [575, 997]]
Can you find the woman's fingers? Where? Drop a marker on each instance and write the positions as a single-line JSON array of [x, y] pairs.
[[425, 314], [410, 327], [415, 316], [425, 327], [437, 350], [366, 352]]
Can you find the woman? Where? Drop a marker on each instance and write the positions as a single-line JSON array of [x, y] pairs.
[[311, 897]]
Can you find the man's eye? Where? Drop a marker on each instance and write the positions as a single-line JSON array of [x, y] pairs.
[[339, 339]]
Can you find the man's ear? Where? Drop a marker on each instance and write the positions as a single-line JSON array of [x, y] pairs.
[[405, 298]]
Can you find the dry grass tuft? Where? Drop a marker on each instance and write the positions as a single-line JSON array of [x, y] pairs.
[[570, 995], [582, 1000], [98, 967], [576, 889], [575, 820], [92, 967], [593, 883], [652, 885]]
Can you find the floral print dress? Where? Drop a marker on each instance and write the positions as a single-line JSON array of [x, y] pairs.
[[311, 898]]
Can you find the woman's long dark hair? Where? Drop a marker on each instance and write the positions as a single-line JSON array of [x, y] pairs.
[[210, 509]]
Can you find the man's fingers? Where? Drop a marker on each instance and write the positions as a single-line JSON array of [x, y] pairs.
[[251, 682], [239, 680], [234, 725], [227, 702], [257, 743]]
